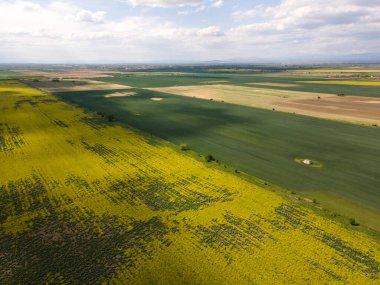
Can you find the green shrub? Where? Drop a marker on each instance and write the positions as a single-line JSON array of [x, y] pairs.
[[111, 118], [184, 147], [209, 158], [353, 222]]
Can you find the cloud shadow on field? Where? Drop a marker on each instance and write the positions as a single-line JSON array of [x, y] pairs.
[[172, 118]]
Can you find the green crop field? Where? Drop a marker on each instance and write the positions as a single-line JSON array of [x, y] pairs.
[[5, 74], [262, 143]]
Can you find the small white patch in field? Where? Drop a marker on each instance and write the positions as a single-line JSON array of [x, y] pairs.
[[120, 94], [156, 99], [307, 161]]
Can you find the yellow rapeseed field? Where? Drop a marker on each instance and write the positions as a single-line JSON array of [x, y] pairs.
[[85, 202]]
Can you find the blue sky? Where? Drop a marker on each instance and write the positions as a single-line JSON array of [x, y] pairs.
[[97, 31]]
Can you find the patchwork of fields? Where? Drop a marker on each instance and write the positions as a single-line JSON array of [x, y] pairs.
[[354, 109], [261, 143], [278, 81], [87, 202], [343, 70]]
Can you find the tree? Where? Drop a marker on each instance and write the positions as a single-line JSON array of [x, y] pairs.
[[209, 158], [184, 147], [353, 222], [111, 118]]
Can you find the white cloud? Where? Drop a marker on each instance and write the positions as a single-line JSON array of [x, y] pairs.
[[166, 3], [192, 11], [175, 3], [88, 16], [60, 31], [217, 3], [210, 31], [28, 6], [319, 12], [63, 32], [200, 8], [311, 27]]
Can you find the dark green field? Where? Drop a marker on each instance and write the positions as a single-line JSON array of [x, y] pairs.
[[172, 79], [259, 142]]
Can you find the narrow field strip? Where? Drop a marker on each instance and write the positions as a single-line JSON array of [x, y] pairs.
[[344, 82]]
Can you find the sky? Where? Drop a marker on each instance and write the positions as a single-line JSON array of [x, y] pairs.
[[132, 31]]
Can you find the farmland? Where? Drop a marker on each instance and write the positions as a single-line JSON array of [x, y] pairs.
[[259, 142], [57, 85], [343, 70], [88, 201], [344, 82], [189, 142], [5, 73], [355, 109], [159, 79]]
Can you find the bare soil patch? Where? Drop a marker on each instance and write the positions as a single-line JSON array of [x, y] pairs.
[[354, 109], [242, 95], [156, 99], [349, 108], [120, 94]]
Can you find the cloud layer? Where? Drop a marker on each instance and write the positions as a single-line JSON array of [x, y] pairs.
[[314, 27], [57, 31], [166, 3]]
